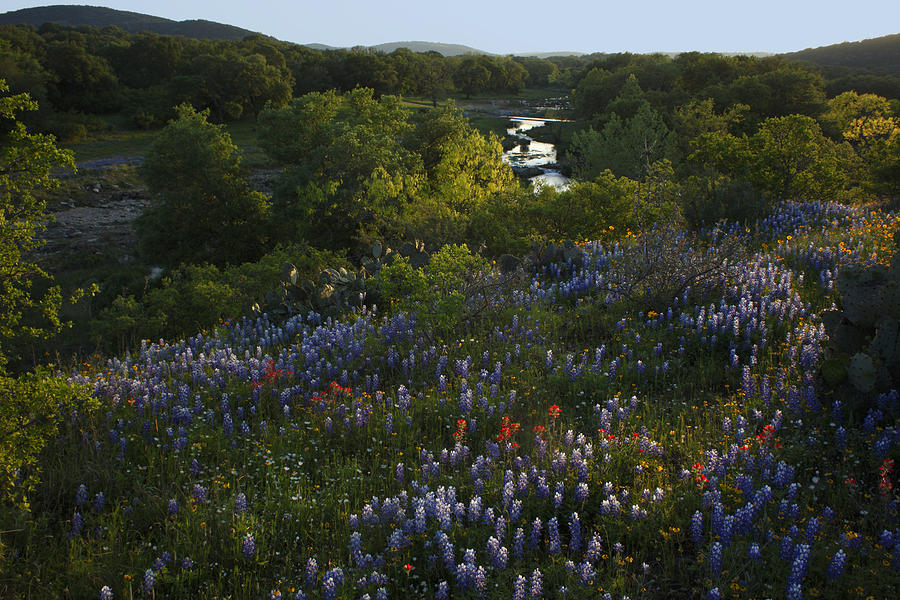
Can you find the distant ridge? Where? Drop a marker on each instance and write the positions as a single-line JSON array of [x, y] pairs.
[[879, 54], [132, 22], [445, 49]]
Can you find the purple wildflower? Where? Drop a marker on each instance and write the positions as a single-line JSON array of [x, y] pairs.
[[81, 495], [537, 582], [240, 503], [519, 588], [248, 545], [836, 568], [715, 560], [149, 582]]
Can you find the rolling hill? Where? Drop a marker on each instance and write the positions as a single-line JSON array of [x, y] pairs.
[[132, 22], [445, 49], [877, 54]]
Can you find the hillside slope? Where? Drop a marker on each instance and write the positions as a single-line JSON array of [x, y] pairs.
[[878, 54], [133, 22]]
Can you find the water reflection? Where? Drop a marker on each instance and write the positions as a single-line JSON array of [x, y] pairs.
[[531, 156]]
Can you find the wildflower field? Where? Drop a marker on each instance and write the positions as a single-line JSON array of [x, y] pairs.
[[571, 441]]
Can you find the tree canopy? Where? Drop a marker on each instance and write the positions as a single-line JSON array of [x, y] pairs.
[[26, 162], [204, 209]]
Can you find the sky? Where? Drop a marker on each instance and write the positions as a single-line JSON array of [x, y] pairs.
[[545, 26]]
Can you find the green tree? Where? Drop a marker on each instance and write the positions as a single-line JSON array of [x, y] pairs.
[[81, 80], [347, 169], [203, 208], [26, 161], [472, 76], [232, 84], [541, 72], [884, 167], [788, 158], [463, 171], [31, 405], [854, 113], [625, 146]]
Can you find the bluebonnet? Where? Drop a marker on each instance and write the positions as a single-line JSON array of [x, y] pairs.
[[240, 503], [81, 495], [697, 526], [836, 567], [312, 570], [786, 549], [248, 545], [106, 593], [715, 560], [77, 522], [537, 583], [149, 582], [586, 572], [553, 543], [799, 564], [794, 591], [199, 493], [754, 552], [581, 493], [518, 543], [574, 532], [442, 591], [594, 548], [534, 539]]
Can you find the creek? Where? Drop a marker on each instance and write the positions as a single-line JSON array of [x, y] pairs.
[[530, 156]]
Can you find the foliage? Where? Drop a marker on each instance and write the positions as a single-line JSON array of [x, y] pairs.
[[361, 169], [440, 294], [26, 161], [627, 148], [854, 114], [201, 296], [633, 137], [204, 209], [33, 406], [604, 205], [788, 157]]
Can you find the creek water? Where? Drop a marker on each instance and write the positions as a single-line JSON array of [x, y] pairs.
[[531, 153]]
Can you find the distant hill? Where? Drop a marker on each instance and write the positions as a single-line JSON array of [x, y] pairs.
[[548, 54], [877, 54], [445, 49], [132, 22]]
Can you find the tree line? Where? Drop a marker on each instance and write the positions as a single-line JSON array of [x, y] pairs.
[[93, 71], [75, 73]]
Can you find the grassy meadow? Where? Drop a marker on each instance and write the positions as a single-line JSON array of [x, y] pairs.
[[568, 442]]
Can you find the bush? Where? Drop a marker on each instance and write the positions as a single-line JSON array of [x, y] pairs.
[[442, 294], [192, 298], [32, 409]]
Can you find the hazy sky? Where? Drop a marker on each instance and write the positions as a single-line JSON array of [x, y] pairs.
[[532, 26]]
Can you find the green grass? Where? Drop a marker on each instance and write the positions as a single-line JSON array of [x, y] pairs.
[[121, 141]]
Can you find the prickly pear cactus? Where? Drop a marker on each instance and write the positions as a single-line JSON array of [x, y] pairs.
[[869, 293], [862, 372], [886, 343]]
